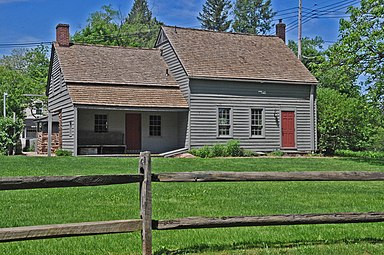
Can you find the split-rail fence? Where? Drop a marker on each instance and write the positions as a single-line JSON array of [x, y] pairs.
[[146, 224]]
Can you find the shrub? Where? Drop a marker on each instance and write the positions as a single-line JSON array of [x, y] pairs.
[[230, 149], [63, 153], [234, 149], [276, 153], [218, 150], [360, 154], [9, 134]]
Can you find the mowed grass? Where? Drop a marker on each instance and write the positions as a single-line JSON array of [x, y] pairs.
[[173, 200]]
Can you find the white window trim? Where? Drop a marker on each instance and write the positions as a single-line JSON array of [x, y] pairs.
[[263, 122], [230, 122]]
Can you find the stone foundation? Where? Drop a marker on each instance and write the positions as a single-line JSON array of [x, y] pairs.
[[42, 142]]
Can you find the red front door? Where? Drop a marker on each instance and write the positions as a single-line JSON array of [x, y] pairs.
[[133, 131], [288, 129]]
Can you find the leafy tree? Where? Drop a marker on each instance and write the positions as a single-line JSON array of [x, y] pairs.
[[23, 72], [253, 16], [109, 27], [9, 134], [215, 15], [345, 122], [361, 46], [312, 51]]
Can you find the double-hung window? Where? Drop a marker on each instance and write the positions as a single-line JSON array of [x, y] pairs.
[[101, 123], [155, 125], [224, 122], [257, 123]]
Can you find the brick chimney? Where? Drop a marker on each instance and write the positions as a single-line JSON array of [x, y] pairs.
[[62, 35], [280, 30]]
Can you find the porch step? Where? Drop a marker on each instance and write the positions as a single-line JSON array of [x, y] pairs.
[[173, 153]]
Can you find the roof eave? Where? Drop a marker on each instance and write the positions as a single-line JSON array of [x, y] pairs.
[[293, 82]]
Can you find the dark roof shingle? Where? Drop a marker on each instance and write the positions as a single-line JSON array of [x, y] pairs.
[[209, 54]]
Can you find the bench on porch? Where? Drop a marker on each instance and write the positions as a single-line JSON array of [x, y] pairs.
[[90, 143]]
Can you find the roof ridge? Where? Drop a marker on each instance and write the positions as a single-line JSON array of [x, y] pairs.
[[111, 46], [219, 32]]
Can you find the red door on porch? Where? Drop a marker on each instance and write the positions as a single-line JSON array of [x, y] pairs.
[[288, 129], [133, 131]]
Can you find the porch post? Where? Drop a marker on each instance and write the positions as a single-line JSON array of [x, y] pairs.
[[49, 134], [312, 116], [75, 132]]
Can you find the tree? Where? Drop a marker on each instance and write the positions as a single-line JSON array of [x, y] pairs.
[[345, 122], [312, 51], [140, 13], [215, 15], [253, 16], [323, 64], [23, 72], [109, 27], [9, 134], [361, 46], [102, 28]]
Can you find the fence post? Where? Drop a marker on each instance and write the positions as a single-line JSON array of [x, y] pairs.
[[146, 202]]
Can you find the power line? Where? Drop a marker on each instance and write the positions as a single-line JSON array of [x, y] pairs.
[[23, 45], [324, 13]]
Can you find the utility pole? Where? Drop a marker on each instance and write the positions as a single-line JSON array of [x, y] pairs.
[[299, 30], [4, 104]]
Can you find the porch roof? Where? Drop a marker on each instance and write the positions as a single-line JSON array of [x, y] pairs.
[[127, 95]]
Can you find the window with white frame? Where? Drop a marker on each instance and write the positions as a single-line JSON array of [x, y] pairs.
[[101, 123], [224, 122], [154, 125], [257, 122]]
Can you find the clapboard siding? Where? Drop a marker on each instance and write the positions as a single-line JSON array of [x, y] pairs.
[[178, 72], [59, 100], [207, 96], [176, 68]]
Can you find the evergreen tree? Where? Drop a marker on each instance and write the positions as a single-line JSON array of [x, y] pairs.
[[140, 13], [215, 15], [253, 16]]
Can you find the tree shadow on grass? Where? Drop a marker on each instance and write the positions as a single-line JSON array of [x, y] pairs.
[[252, 245]]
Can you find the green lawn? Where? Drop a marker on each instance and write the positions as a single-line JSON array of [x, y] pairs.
[[173, 200]]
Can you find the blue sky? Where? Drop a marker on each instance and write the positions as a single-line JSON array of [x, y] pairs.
[[23, 21]]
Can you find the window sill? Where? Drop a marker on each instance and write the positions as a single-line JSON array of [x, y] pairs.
[[224, 137], [257, 137]]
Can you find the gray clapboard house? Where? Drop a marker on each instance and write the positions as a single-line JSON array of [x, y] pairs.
[[194, 88]]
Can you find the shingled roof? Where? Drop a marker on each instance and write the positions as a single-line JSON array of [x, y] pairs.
[[209, 54], [113, 65], [126, 96], [118, 76]]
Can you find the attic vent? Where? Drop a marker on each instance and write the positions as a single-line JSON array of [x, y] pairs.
[[166, 72]]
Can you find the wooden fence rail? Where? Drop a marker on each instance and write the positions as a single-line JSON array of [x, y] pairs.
[[146, 224], [40, 182]]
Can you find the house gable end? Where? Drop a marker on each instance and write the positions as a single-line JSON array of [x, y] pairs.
[[161, 38]]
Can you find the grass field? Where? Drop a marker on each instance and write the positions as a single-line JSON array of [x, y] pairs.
[[173, 200]]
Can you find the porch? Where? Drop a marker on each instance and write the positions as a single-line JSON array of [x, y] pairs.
[[109, 131]]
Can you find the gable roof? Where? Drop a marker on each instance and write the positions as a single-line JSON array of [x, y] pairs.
[[222, 55], [118, 76], [113, 65]]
